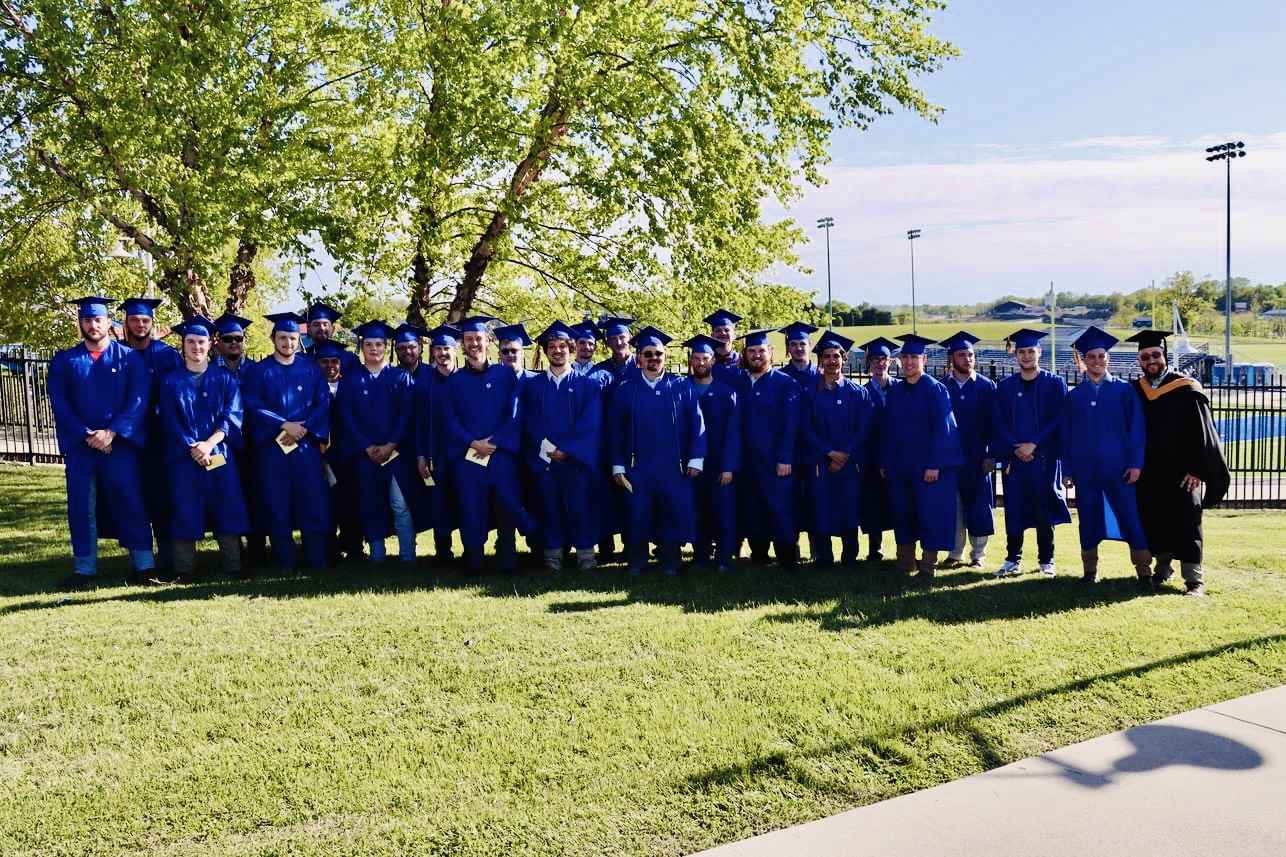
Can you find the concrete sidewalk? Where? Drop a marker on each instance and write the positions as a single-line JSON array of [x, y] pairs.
[[1207, 782]]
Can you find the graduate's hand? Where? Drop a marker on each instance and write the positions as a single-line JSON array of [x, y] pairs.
[[557, 455], [386, 451], [484, 446], [295, 431], [834, 467], [619, 479], [783, 470], [1190, 482], [1068, 482], [1132, 475], [375, 453], [988, 465], [884, 473], [931, 475], [101, 440], [838, 457], [201, 452], [693, 473], [423, 464], [1025, 451], [725, 479]]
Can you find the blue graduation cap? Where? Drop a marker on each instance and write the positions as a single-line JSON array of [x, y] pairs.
[[229, 323], [757, 337], [513, 333], [475, 323], [587, 330], [328, 348], [558, 330], [140, 306], [1092, 338], [702, 344], [913, 343], [721, 317], [93, 307], [961, 341], [445, 334], [322, 311], [408, 332], [197, 325], [616, 325], [831, 339], [798, 330], [879, 347], [651, 336], [285, 322], [1026, 338], [374, 329]]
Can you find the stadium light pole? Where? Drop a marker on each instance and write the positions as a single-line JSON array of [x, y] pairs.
[[826, 223], [911, 235], [1227, 152]]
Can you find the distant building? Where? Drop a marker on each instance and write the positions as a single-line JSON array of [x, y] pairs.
[[1016, 310]]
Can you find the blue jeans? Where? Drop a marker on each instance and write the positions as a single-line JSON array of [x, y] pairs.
[[403, 525], [141, 560]]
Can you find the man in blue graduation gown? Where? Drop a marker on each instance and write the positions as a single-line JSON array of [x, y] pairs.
[[586, 343], [322, 318], [1028, 407], [714, 489], [727, 362], [231, 356], [562, 420], [287, 406], [512, 340], [408, 346], [920, 457], [973, 404], [835, 422], [801, 369], [769, 404], [201, 416], [377, 414], [876, 510], [617, 336], [483, 434], [1101, 444], [658, 448], [345, 540], [98, 393], [431, 438], [159, 359]]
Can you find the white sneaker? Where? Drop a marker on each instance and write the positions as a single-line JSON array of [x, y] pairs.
[[1009, 569], [1047, 569]]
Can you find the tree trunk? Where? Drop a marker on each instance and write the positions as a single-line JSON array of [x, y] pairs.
[[242, 278], [419, 305], [554, 119]]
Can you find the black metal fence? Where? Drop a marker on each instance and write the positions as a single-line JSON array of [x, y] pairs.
[[1251, 422]]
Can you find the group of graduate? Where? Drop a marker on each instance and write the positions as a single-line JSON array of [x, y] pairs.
[[350, 450]]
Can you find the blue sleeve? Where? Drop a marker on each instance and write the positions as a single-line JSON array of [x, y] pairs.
[[696, 423], [403, 388], [1052, 398], [864, 413], [346, 418], [1065, 430], [178, 435], [732, 436], [422, 400], [790, 407], [946, 443], [534, 429], [130, 421], [986, 413], [588, 432], [261, 421], [71, 429], [1002, 437], [618, 428], [508, 433], [458, 435], [318, 420], [233, 412]]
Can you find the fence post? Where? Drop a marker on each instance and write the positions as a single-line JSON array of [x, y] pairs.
[[29, 406]]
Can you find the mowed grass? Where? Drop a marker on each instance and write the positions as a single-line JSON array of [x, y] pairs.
[[425, 713]]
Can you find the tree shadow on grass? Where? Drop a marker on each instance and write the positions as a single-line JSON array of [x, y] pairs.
[[838, 599], [1155, 747]]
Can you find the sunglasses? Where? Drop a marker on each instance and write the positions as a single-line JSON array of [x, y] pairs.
[[232, 339], [509, 351], [1151, 355], [650, 355]]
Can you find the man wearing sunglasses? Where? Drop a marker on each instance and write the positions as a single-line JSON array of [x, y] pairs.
[[1184, 470], [231, 348]]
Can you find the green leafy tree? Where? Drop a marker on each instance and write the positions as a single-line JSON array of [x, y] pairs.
[[1182, 291], [610, 155]]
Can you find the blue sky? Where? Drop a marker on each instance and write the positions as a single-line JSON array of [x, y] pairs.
[[1071, 150]]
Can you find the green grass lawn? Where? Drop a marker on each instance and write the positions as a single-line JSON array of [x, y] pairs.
[[421, 712]]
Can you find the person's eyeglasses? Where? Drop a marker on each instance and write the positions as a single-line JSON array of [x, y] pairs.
[[652, 355], [509, 351], [232, 339], [1150, 355]]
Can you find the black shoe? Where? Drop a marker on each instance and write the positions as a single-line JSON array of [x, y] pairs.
[[1144, 585], [78, 582]]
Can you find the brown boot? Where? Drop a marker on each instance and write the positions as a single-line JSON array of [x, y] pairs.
[[928, 566], [1142, 562], [1089, 562], [905, 557]]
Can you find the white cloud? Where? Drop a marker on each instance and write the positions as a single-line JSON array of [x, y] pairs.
[[1012, 221]]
